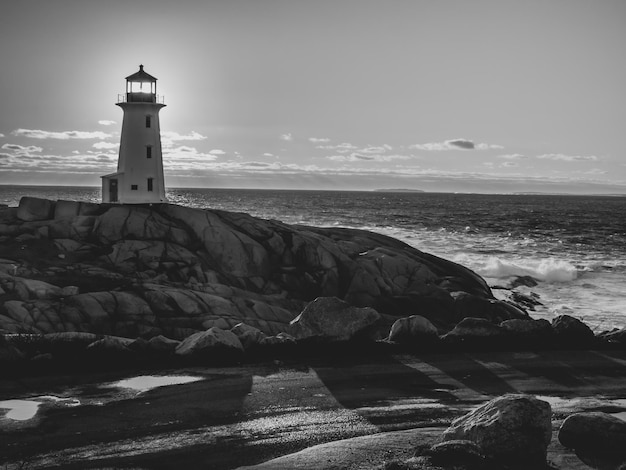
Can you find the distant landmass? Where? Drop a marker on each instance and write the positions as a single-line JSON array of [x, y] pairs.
[[398, 190]]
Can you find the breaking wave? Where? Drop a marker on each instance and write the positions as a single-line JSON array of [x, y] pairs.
[[547, 270]]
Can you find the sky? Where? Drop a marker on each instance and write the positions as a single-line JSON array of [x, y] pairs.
[[440, 95]]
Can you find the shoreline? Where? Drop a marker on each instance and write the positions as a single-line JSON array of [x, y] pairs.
[[246, 415]]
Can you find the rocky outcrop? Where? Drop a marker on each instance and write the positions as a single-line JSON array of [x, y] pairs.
[[413, 330], [528, 333], [332, 319], [149, 270], [213, 345], [476, 333], [511, 428], [572, 332], [594, 432]]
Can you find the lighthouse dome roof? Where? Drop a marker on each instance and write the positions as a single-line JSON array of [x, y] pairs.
[[141, 76]]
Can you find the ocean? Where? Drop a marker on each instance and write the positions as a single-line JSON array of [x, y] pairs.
[[573, 246]]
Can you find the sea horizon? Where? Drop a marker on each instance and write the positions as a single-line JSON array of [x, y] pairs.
[[350, 190]]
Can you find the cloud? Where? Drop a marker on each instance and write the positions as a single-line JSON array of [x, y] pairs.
[[186, 157], [217, 152], [455, 144], [462, 144], [568, 158], [85, 163], [488, 147], [344, 147], [175, 136], [106, 122], [21, 150], [105, 145], [513, 156], [376, 149], [259, 165], [1, 135], [596, 171], [64, 135], [286, 137], [268, 154], [318, 140], [356, 157], [353, 157]]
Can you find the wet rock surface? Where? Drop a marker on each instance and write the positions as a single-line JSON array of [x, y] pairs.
[[318, 414], [512, 428]]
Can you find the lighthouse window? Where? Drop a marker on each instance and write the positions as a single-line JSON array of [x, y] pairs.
[[148, 121], [133, 187], [149, 184], [149, 151]]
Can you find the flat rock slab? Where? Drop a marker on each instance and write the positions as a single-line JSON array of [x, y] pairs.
[[356, 453], [367, 452]]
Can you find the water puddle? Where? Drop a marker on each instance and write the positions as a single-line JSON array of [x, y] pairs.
[[144, 383], [20, 410], [25, 409]]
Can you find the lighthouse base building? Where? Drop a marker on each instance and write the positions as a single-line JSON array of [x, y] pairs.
[[139, 176]]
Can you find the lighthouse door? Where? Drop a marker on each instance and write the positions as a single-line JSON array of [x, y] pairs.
[[112, 190]]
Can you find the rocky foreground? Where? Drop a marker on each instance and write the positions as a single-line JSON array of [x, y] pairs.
[[99, 285]]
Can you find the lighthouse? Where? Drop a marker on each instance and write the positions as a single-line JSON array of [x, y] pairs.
[[139, 176]]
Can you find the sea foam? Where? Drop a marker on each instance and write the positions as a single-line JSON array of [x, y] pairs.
[[547, 270]]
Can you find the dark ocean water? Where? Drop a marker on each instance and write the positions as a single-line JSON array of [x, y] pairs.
[[575, 246]]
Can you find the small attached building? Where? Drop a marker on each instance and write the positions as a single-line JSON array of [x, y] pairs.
[[139, 176]]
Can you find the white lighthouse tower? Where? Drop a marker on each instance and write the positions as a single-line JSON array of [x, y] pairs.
[[139, 176]]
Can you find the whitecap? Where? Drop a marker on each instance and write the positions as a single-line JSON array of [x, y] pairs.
[[548, 270]]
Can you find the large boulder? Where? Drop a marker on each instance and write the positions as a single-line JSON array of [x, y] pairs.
[[34, 208], [162, 344], [529, 332], [473, 306], [111, 346], [476, 333], [332, 319], [249, 336], [66, 209], [594, 432], [572, 332], [214, 345], [511, 428], [413, 330]]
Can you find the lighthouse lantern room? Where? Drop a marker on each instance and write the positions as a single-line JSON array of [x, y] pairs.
[[139, 176]]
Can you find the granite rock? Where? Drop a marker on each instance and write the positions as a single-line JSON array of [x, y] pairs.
[[332, 319], [412, 330], [163, 269], [594, 432], [510, 428]]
